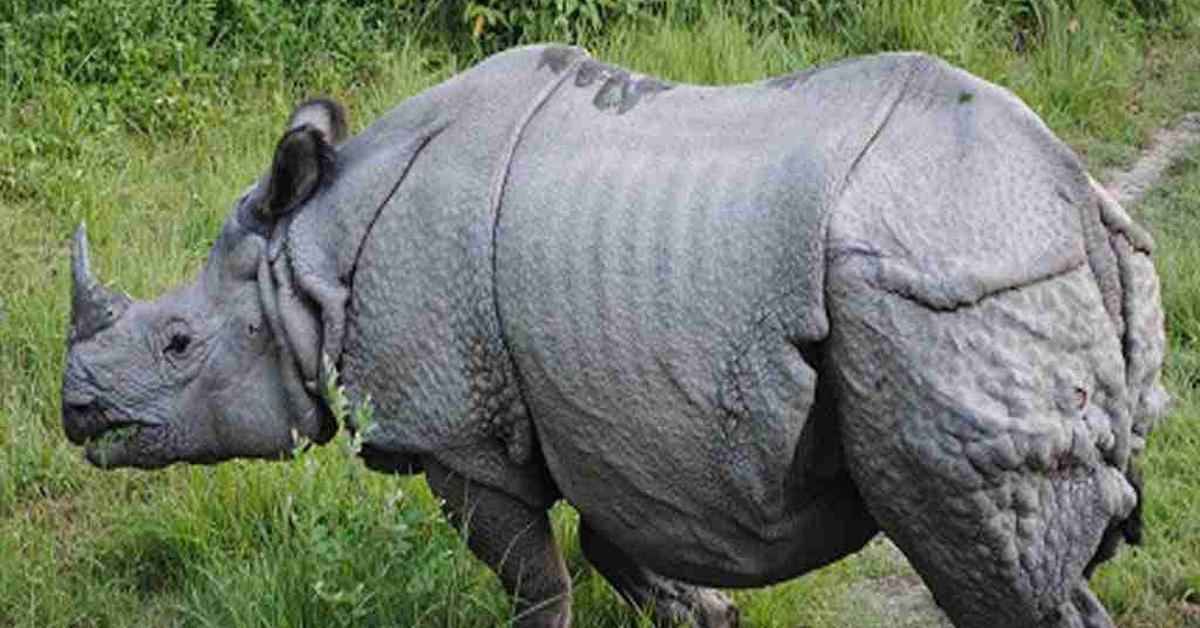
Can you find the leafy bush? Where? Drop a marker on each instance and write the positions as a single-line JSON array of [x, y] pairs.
[[146, 65], [157, 66]]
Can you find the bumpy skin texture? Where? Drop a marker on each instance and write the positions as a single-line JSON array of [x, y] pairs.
[[988, 398], [424, 338]]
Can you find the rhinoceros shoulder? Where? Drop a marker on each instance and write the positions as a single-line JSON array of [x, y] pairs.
[[424, 339]]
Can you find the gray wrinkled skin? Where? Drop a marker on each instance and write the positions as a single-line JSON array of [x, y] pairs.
[[742, 329], [193, 376]]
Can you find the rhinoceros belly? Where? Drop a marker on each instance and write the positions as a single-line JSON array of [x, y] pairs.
[[659, 261]]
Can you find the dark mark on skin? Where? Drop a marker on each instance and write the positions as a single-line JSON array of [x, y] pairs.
[[557, 58], [620, 90], [633, 91], [589, 71], [609, 95]]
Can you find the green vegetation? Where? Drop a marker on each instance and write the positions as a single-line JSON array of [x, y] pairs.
[[147, 118]]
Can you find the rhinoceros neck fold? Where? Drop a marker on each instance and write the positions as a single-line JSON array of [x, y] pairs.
[[420, 146], [499, 181], [306, 412]]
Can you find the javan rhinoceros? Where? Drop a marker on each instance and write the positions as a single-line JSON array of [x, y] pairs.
[[741, 329]]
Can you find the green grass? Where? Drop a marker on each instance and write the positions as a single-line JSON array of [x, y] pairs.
[[148, 128]]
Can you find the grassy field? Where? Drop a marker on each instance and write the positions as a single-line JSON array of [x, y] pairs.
[[147, 121]]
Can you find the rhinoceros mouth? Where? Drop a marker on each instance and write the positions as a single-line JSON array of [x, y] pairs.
[[87, 419], [121, 443], [99, 448], [103, 432]]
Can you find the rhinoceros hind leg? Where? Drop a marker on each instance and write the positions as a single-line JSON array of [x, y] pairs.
[[673, 603], [512, 538], [989, 440]]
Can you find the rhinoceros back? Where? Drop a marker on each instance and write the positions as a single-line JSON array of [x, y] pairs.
[[660, 264]]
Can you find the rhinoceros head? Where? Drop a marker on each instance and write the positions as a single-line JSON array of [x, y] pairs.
[[199, 375]]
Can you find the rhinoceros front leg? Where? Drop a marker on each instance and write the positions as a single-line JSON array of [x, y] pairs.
[[673, 603], [512, 538], [990, 440]]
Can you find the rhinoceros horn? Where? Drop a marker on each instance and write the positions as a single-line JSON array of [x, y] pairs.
[[93, 307]]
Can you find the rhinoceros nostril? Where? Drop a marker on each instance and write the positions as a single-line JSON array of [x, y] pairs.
[[81, 419]]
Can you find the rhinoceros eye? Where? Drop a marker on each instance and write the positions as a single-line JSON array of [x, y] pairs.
[[178, 345]]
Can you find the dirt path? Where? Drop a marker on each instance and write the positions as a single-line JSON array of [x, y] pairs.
[[900, 595], [1129, 183]]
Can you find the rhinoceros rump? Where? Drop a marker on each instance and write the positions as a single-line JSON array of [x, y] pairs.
[[742, 329]]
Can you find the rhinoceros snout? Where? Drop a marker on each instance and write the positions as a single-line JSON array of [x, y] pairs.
[[81, 414]]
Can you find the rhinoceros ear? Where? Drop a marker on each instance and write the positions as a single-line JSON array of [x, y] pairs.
[[305, 157], [323, 114]]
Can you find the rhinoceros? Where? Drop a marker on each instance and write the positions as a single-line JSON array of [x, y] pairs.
[[742, 329]]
